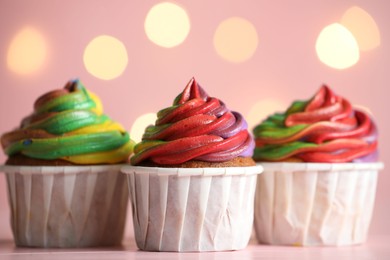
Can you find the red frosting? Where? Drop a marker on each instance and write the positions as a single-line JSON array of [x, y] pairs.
[[195, 127], [324, 129]]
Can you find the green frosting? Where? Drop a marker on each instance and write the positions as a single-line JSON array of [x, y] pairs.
[[69, 124]]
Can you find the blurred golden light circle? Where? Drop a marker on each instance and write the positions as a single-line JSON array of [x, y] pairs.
[[262, 109], [235, 39], [167, 24], [363, 27], [337, 47], [139, 125], [27, 51], [105, 57]]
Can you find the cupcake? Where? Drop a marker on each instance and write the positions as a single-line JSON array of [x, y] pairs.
[[65, 187], [320, 173], [192, 178]]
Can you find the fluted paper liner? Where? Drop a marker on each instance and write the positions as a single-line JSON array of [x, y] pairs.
[[67, 206], [315, 204], [192, 209]]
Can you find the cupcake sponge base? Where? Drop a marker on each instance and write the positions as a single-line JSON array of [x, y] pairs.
[[235, 162]]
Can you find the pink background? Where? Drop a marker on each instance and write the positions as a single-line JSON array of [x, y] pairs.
[[284, 67]]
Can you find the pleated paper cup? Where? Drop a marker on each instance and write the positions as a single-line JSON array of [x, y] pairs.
[[67, 206], [192, 209], [315, 204]]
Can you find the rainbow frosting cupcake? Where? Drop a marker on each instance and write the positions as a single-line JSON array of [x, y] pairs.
[[320, 173], [193, 179], [63, 172]]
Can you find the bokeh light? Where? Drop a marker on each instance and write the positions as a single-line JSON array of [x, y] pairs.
[[167, 24], [363, 27], [337, 47], [27, 52], [139, 125], [262, 109], [235, 39], [105, 57]]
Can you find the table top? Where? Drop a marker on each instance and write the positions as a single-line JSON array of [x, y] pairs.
[[377, 247]]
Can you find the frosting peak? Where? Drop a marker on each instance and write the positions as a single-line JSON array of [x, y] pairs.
[[191, 91], [324, 106], [195, 127]]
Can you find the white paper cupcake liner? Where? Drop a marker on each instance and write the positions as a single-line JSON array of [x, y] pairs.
[[67, 206], [315, 204], [192, 209]]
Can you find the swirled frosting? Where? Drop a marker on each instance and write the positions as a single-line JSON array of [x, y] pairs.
[[195, 127], [69, 124], [325, 128]]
